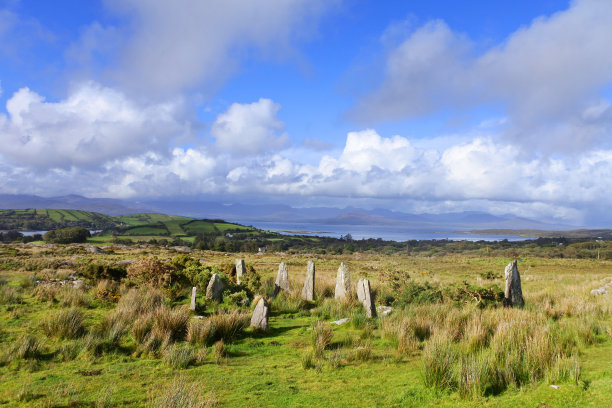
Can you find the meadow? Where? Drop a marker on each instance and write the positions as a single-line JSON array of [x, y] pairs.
[[85, 329]]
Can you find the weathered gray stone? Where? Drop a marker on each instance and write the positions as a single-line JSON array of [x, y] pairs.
[[194, 291], [308, 291], [364, 294], [343, 282], [259, 320], [240, 270], [282, 278], [341, 321], [384, 310], [214, 290], [513, 294]]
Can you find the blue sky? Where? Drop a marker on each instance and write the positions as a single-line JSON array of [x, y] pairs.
[[415, 106]]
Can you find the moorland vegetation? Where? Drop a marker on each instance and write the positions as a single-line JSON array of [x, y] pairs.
[[112, 327]]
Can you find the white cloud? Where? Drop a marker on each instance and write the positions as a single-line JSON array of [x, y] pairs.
[[393, 172], [545, 75], [176, 45], [250, 128], [92, 125]]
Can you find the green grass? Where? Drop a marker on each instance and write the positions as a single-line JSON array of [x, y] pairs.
[[148, 230], [147, 219], [200, 227], [360, 365], [227, 226], [174, 226]]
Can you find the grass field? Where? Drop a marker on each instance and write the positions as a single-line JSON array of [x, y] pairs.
[[384, 361]]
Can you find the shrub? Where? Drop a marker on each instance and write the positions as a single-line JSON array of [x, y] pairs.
[[95, 271], [417, 293], [152, 272], [65, 324], [67, 235]]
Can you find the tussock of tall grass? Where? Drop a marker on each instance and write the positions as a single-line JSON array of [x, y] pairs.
[[9, 295], [171, 323], [138, 302], [322, 334], [46, 293], [330, 309], [179, 356], [65, 324], [485, 351], [74, 297], [26, 346], [229, 325], [288, 303], [201, 331], [106, 289], [183, 393]]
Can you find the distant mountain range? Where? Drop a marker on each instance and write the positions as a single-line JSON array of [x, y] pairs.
[[281, 213]]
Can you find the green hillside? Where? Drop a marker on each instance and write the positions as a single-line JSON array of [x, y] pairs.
[[47, 219], [133, 227]]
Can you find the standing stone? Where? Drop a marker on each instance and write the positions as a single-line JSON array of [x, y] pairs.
[[214, 290], [513, 294], [259, 320], [343, 282], [240, 270], [364, 294], [282, 278], [308, 291], [192, 306]]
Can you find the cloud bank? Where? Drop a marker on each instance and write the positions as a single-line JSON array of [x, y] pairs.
[[547, 77]]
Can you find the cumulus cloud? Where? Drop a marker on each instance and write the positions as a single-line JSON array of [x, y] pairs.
[[92, 125], [480, 173], [250, 128], [550, 72], [174, 46]]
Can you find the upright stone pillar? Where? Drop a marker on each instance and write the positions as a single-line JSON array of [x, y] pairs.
[[240, 270], [214, 290], [364, 294], [343, 282], [194, 291], [259, 319], [513, 294], [308, 291], [282, 279]]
